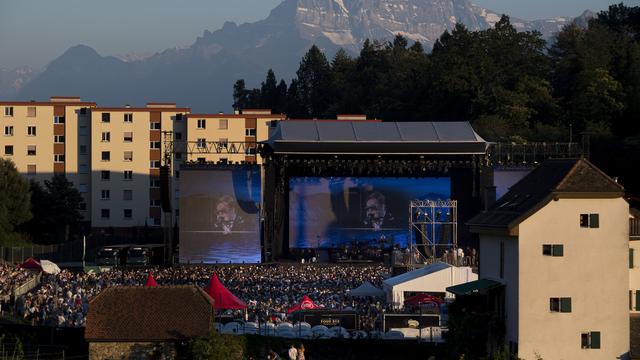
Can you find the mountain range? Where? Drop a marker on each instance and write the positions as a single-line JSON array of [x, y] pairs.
[[202, 75]]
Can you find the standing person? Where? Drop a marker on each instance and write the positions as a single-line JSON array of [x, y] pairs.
[[301, 352], [293, 353]]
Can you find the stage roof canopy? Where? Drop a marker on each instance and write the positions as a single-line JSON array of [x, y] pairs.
[[370, 137]]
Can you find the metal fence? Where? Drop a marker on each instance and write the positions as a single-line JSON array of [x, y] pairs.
[[70, 252]]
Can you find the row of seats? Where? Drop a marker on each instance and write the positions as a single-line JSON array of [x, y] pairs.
[[303, 330]]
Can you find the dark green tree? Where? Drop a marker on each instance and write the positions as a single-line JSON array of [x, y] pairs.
[[314, 81], [15, 204], [269, 91], [56, 210], [240, 95]]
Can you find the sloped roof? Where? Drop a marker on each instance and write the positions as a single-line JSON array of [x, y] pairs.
[[576, 178], [317, 136], [139, 313], [417, 273]]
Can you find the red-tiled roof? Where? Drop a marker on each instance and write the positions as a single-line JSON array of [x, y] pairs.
[[136, 313]]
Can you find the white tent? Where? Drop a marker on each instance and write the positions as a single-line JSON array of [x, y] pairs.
[[49, 267], [431, 278], [366, 290]]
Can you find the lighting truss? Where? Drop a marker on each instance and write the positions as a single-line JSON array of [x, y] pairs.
[[437, 223]]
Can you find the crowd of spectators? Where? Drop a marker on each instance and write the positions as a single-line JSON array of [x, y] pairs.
[[10, 278], [269, 289]]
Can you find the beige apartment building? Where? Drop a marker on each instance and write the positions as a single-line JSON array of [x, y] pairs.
[[127, 153], [634, 262], [228, 137], [558, 242], [50, 137]]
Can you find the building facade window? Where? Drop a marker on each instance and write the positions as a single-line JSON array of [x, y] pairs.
[[105, 213], [8, 149], [178, 135], [154, 164], [83, 149], [31, 111], [154, 203], [58, 139], [83, 169], [154, 182], [590, 220], [31, 150], [58, 158], [154, 144], [562, 304], [128, 118], [8, 111], [250, 132], [105, 175], [128, 174], [590, 340], [106, 117], [223, 124], [83, 131], [202, 123], [127, 194], [630, 258], [58, 119], [250, 151], [128, 156], [154, 126], [128, 213], [128, 136], [106, 156], [224, 143], [105, 194], [201, 143], [553, 250], [8, 130], [31, 130], [106, 136], [31, 169]]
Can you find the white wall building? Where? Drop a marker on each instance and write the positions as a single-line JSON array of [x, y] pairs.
[[434, 279], [559, 242]]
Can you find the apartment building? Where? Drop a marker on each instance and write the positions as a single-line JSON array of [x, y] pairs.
[[127, 153], [634, 262], [227, 137], [558, 243], [44, 138]]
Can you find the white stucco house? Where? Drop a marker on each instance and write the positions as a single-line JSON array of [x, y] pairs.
[[558, 241]]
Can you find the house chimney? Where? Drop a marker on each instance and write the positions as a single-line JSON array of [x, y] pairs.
[[489, 197]]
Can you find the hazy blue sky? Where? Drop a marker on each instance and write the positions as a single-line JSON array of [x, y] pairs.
[[34, 32]]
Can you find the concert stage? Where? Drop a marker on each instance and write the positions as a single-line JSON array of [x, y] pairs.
[[331, 184]]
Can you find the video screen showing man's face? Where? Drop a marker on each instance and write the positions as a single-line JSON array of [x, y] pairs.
[[226, 216], [375, 210]]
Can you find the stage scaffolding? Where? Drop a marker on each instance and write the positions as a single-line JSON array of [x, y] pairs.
[[433, 229]]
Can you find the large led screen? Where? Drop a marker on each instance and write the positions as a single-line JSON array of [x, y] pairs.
[[219, 215], [332, 212]]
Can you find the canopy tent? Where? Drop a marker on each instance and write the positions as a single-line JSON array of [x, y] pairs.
[[151, 282], [434, 278], [366, 290], [305, 304], [31, 264], [481, 286], [222, 297], [49, 267]]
